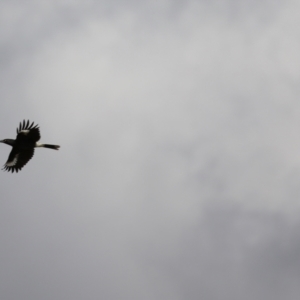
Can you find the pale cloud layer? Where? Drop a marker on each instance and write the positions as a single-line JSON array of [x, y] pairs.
[[178, 174]]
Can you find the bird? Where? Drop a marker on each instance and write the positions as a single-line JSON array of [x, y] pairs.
[[23, 146]]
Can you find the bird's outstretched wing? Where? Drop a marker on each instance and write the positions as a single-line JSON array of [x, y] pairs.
[[17, 160], [28, 131]]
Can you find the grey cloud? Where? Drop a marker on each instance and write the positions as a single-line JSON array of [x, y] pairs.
[[178, 172], [232, 254]]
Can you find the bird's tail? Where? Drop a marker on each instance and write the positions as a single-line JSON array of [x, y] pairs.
[[55, 147]]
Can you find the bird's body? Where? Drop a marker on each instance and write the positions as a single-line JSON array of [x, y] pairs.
[[27, 139]]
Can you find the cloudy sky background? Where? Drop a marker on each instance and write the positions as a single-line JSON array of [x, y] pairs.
[[178, 175]]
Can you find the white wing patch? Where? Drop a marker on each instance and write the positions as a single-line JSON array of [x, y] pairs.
[[13, 162], [24, 131]]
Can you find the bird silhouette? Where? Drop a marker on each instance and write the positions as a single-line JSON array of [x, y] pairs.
[[23, 146]]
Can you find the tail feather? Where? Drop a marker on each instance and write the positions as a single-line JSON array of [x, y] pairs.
[[55, 147]]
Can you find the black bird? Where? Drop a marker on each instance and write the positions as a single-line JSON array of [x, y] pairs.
[[27, 139]]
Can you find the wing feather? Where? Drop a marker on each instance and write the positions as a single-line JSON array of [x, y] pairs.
[[28, 131], [17, 160]]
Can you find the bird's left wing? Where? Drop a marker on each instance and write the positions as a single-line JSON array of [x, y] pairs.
[[17, 160]]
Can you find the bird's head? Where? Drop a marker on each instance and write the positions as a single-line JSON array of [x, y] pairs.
[[8, 142]]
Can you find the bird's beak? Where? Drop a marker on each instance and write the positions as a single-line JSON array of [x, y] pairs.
[[2, 141]]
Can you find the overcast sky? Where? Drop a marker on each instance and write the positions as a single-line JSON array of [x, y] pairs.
[[178, 176]]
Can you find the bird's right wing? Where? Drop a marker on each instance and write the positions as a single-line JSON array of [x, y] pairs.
[[28, 131], [17, 160]]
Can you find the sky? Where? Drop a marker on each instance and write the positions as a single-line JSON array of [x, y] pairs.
[[179, 169]]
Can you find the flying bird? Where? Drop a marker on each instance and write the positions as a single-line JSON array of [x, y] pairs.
[[23, 146]]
